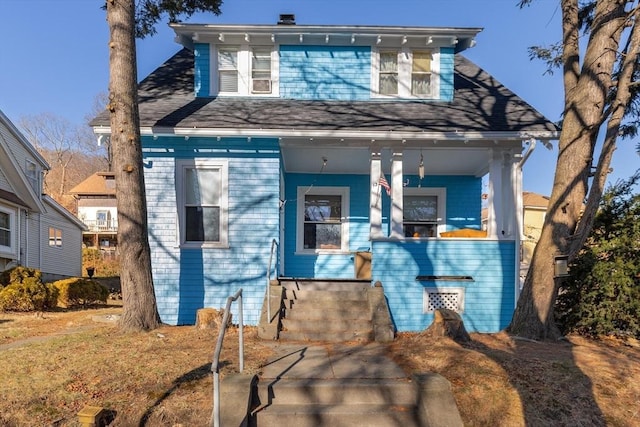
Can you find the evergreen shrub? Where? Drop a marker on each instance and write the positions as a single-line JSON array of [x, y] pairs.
[[76, 292]]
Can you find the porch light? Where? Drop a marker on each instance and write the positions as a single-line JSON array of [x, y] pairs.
[[561, 266]]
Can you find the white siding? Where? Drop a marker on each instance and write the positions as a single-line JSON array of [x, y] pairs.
[[65, 260]]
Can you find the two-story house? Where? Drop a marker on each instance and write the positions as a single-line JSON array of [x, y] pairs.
[[96, 206], [333, 141], [35, 231]]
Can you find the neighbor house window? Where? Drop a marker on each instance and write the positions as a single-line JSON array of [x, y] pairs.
[[55, 237], [423, 212], [5, 229], [261, 70], [31, 171], [228, 69], [421, 73], [388, 77], [203, 216], [322, 219]]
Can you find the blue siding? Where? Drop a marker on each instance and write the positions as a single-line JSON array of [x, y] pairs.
[[489, 298], [327, 265], [446, 74], [325, 72], [188, 279], [202, 69]]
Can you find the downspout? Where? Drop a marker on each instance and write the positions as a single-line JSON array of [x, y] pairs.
[[519, 219]]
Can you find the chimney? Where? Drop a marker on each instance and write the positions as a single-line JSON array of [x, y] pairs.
[[287, 19]]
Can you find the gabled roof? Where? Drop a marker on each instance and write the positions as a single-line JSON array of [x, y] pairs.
[[94, 185], [50, 202], [534, 200], [481, 106]]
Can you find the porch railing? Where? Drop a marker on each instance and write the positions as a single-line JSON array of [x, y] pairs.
[[274, 246], [99, 225], [215, 368]]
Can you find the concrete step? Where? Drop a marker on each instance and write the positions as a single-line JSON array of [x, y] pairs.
[[327, 325], [364, 415], [328, 336], [315, 313], [337, 391], [327, 295], [326, 285]]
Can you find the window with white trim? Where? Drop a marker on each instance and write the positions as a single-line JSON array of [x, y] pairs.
[[423, 211], [31, 171], [6, 219], [261, 70], [203, 187], [55, 237], [322, 219], [404, 73], [228, 69]]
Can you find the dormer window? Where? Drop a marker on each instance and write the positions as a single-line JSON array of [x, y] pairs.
[[388, 82], [261, 70], [228, 69], [421, 73], [404, 73]]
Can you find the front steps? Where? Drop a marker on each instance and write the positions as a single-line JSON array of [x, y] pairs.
[[334, 385], [326, 311]]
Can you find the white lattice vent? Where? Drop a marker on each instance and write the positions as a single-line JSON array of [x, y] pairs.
[[450, 298]]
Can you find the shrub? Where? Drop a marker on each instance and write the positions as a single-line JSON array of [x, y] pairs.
[[602, 296], [30, 294], [18, 275], [80, 292], [104, 264]]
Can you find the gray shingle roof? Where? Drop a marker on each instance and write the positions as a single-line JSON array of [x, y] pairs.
[[481, 104]]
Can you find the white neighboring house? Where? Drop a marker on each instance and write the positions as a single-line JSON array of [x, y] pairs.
[[35, 231]]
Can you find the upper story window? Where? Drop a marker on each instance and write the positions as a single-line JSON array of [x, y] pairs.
[[261, 70], [322, 219], [55, 237], [388, 77], [203, 214], [5, 229], [31, 170], [423, 212], [404, 73], [228, 69]]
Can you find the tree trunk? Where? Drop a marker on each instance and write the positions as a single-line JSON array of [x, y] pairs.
[[585, 99], [139, 303]]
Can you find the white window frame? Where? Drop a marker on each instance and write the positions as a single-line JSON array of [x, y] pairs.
[[31, 171], [12, 230], [405, 71], [244, 69], [235, 49], [426, 302], [56, 242], [223, 166], [343, 192], [441, 194]]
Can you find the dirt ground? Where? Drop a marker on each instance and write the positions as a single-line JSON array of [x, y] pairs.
[[56, 363]]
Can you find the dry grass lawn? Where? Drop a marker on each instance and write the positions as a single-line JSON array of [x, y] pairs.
[[56, 363]]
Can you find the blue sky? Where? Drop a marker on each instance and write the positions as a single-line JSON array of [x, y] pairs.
[[54, 55]]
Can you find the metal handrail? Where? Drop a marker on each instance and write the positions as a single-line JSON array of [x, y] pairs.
[[215, 422], [274, 244]]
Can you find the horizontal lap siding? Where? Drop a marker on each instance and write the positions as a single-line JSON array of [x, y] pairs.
[[325, 72], [327, 265], [464, 203], [489, 298], [446, 74], [188, 279], [202, 69]]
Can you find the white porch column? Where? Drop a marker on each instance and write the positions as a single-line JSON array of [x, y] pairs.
[[396, 196], [494, 199], [375, 197]]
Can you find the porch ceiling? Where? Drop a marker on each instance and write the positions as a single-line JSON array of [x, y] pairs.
[[356, 160]]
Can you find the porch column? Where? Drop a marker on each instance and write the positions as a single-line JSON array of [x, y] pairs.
[[396, 196], [375, 197], [494, 207]]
